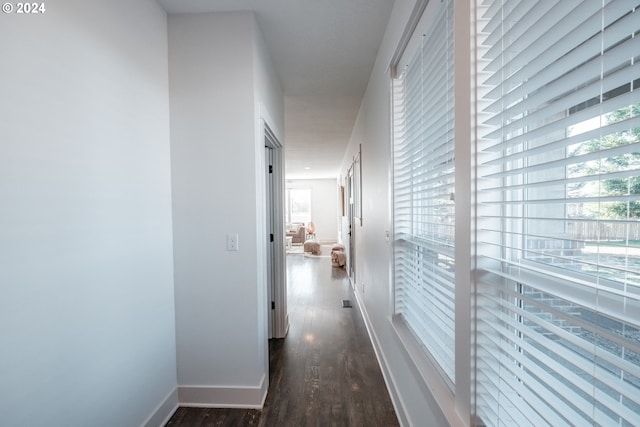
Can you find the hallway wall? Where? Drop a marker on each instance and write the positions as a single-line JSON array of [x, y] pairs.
[[221, 83], [87, 331], [413, 399]]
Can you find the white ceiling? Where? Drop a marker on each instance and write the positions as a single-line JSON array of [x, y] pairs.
[[323, 52]]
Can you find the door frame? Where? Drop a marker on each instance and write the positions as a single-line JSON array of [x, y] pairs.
[[353, 203], [351, 229], [278, 315]]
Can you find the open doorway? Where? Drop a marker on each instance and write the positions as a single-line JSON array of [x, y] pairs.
[[353, 214], [350, 226]]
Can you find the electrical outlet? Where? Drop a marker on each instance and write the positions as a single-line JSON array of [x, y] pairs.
[[232, 242]]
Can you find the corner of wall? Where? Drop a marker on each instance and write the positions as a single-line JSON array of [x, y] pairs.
[[164, 411]]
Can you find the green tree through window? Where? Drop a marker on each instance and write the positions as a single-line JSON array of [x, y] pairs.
[[617, 163]]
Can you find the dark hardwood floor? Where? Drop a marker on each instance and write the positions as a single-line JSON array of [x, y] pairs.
[[324, 373]]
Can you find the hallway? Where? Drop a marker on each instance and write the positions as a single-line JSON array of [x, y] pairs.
[[325, 372]]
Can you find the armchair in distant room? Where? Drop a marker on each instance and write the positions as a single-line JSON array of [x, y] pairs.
[[297, 231]]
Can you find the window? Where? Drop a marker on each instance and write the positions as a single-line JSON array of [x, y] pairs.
[[558, 218], [298, 205], [423, 186]]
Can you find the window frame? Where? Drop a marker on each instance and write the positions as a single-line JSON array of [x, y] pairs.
[[288, 212], [453, 399]]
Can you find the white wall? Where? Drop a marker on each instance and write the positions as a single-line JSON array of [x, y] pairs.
[[324, 206], [412, 397], [87, 309], [269, 111], [217, 171]]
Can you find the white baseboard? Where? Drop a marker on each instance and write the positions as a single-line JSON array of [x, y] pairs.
[[223, 397], [389, 379], [163, 411]]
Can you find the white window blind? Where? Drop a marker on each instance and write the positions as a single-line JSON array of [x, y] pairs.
[[558, 215], [423, 180]]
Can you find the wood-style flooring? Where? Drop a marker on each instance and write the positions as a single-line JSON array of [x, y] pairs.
[[324, 373]]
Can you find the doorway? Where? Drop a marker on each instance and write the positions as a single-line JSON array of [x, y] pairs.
[[351, 251], [353, 204]]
